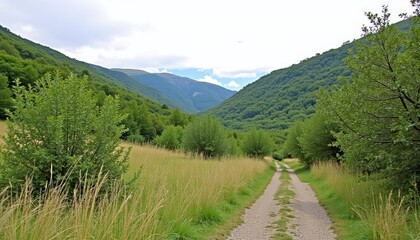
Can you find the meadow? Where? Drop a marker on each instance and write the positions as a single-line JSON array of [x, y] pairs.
[[176, 196]]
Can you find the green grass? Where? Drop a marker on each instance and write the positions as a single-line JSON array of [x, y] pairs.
[[176, 197], [2, 133], [359, 209]]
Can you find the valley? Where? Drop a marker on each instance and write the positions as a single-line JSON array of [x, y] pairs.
[[327, 148]]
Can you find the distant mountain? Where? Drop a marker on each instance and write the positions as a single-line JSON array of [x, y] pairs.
[[137, 86], [190, 95]]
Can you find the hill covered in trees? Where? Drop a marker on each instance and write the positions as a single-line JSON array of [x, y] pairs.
[[29, 61], [278, 99]]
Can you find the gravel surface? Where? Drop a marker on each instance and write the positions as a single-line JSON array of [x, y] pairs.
[[310, 221], [259, 217]]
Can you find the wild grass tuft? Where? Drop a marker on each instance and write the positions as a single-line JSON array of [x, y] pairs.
[[386, 217], [361, 209], [175, 197]]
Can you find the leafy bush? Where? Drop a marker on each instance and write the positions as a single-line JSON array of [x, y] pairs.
[[378, 109], [291, 146], [58, 134], [257, 144], [171, 138], [205, 136], [317, 140]]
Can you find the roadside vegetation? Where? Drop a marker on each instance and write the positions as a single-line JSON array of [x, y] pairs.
[[360, 149], [176, 196], [360, 209]]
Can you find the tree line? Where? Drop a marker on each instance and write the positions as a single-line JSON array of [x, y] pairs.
[[371, 123]]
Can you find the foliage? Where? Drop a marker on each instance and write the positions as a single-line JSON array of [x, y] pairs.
[[152, 210], [171, 138], [276, 100], [5, 96], [205, 136], [58, 134], [177, 118], [233, 143], [378, 110], [283, 96], [257, 144], [28, 61], [317, 140], [291, 147]]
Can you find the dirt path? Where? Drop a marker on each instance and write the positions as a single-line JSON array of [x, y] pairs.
[[259, 217], [310, 221]]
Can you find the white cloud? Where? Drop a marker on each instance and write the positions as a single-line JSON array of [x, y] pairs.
[[211, 80], [233, 84], [186, 33]]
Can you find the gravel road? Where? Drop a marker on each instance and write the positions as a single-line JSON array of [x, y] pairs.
[[259, 217], [310, 221]]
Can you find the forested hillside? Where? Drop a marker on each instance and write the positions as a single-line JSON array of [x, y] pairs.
[[279, 98], [29, 61], [285, 95]]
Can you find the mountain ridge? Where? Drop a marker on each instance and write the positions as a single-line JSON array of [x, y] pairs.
[[191, 95]]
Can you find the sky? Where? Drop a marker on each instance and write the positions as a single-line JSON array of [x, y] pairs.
[[230, 43]]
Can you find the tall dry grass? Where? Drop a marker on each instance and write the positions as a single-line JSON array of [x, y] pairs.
[[193, 186], [173, 194], [384, 214], [2, 131]]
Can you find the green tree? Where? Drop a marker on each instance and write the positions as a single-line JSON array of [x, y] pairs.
[[205, 136], [58, 134], [177, 118], [379, 109], [171, 138], [5, 96], [317, 139], [291, 146], [257, 144]]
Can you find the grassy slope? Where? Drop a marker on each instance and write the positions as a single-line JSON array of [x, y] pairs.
[[176, 197], [204, 199]]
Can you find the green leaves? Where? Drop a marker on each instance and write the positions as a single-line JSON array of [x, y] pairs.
[[205, 136], [57, 132], [257, 144], [378, 110]]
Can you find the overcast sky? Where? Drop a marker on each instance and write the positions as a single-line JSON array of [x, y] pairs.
[[227, 42]]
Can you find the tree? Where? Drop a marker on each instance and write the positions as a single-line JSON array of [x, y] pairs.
[[58, 134], [257, 144], [205, 136], [171, 138], [378, 110], [317, 141], [5, 96], [291, 146], [178, 119]]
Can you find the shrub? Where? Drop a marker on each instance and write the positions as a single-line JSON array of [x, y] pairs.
[[171, 138], [58, 134], [205, 136], [257, 144]]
